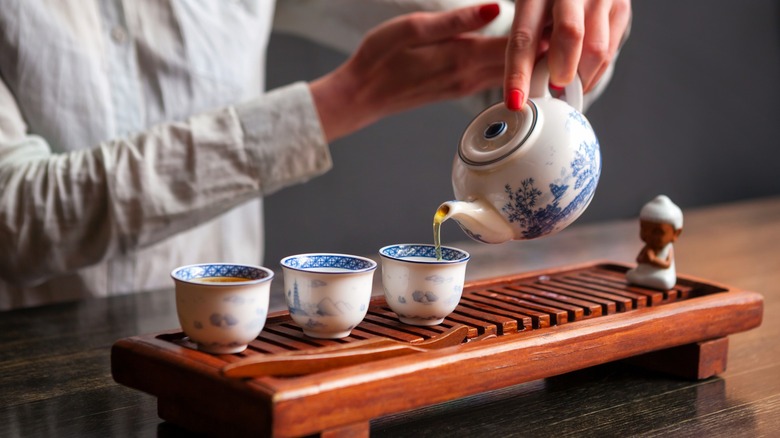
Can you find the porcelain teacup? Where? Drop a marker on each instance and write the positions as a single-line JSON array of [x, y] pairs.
[[222, 306], [328, 294], [420, 288]]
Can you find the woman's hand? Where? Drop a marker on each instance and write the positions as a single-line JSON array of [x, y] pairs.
[[579, 36], [409, 61]]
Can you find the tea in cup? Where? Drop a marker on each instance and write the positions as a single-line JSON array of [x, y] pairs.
[[328, 294], [222, 307], [418, 286]]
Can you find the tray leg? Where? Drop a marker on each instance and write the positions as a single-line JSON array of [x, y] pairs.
[[175, 412], [354, 430], [696, 361]]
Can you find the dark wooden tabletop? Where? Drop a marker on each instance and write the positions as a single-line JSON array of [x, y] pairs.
[[55, 377]]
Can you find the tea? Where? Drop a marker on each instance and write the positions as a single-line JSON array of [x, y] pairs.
[[418, 259], [438, 218], [418, 288], [219, 279]]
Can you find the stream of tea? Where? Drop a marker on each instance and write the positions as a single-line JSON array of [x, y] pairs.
[[438, 218]]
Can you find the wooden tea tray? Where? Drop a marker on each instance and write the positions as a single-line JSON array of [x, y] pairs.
[[546, 323]]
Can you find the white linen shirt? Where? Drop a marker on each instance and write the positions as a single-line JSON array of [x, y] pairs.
[[135, 135]]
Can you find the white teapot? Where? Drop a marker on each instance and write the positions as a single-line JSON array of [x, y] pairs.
[[526, 174]]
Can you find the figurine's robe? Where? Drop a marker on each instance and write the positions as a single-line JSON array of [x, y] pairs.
[[651, 276]]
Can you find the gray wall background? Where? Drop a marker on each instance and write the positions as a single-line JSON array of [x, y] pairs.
[[692, 112]]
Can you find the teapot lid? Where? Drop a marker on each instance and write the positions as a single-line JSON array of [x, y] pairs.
[[497, 133]]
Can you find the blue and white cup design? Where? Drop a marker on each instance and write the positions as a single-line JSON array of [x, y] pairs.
[[421, 289], [328, 294], [222, 307]]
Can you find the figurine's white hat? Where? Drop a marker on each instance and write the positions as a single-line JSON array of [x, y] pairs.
[[663, 210]]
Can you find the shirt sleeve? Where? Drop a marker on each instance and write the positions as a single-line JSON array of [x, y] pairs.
[[61, 212]]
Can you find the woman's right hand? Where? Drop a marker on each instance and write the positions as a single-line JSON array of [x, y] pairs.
[[579, 37]]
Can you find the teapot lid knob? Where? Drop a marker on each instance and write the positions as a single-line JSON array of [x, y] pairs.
[[494, 130], [497, 133]]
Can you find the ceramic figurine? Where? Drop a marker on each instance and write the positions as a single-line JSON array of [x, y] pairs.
[[526, 174], [661, 222]]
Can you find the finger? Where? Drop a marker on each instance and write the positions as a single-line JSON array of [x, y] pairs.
[[596, 45], [521, 51], [449, 69], [422, 28], [477, 80], [619, 18], [485, 78], [458, 60], [473, 51], [566, 41], [544, 42], [481, 65], [433, 27]]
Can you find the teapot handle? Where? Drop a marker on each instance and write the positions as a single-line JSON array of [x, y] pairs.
[[540, 86]]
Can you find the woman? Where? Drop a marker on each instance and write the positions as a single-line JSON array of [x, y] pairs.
[[137, 136]]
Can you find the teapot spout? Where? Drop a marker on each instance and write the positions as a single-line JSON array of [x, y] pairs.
[[478, 219]]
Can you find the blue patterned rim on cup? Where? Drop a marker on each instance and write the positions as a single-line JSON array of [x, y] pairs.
[[322, 263], [403, 251], [252, 274]]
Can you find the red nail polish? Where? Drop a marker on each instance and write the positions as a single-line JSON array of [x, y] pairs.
[[514, 99], [555, 87], [489, 12]]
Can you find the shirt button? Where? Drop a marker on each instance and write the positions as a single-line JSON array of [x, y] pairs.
[[118, 34]]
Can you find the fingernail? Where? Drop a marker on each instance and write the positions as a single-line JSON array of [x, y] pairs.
[[555, 90], [489, 12], [514, 99]]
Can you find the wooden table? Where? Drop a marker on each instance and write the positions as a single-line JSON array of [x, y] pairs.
[[55, 378]]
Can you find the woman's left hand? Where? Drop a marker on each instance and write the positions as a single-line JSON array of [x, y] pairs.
[[409, 61]]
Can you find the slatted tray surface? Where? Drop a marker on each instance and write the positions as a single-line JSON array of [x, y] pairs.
[[589, 306], [487, 308]]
